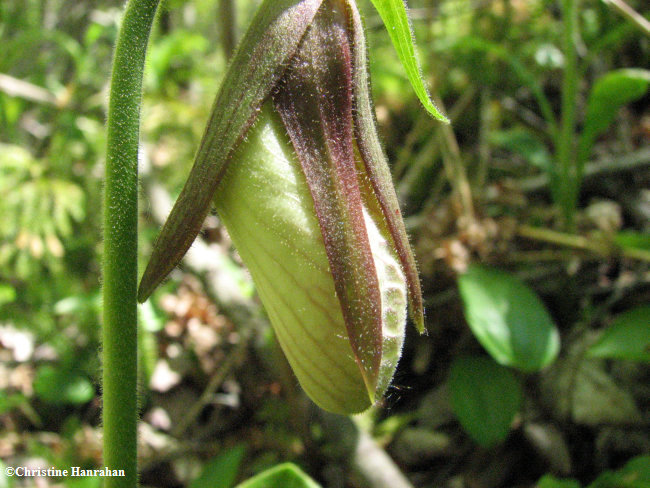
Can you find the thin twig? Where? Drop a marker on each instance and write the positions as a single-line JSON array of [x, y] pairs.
[[215, 382], [455, 169], [597, 246], [15, 87], [630, 14], [563, 239], [413, 169]]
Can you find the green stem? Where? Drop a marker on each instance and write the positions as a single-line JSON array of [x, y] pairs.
[[564, 239], [600, 246], [120, 414], [566, 186]]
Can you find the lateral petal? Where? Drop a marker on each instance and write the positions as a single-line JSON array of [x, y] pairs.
[[259, 62]]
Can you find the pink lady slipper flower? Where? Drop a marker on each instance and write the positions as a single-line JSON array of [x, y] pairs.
[[292, 161]]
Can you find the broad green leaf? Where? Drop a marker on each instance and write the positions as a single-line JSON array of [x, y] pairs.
[[62, 386], [221, 472], [508, 319], [393, 14], [485, 397], [635, 474], [550, 481], [627, 338], [640, 467], [608, 95], [282, 476]]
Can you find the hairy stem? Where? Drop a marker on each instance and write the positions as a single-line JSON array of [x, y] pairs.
[[120, 413]]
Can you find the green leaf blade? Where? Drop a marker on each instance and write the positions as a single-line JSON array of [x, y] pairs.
[[635, 474], [629, 239], [286, 475], [394, 15], [485, 397], [608, 95], [627, 338], [222, 470], [508, 319]]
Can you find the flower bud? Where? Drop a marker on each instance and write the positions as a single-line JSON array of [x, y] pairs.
[[308, 201]]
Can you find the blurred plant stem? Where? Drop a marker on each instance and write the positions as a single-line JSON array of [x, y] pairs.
[[120, 409], [375, 466], [228, 24], [16, 87], [630, 14], [454, 166], [598, 246], [237, 355], [567, 184], [411, 166], [486, 127], [625, 163]]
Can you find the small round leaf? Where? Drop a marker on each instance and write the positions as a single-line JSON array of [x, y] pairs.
[[508, 319], [485, 397]]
